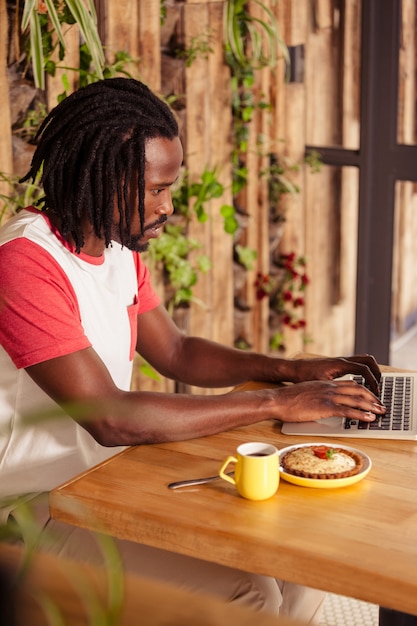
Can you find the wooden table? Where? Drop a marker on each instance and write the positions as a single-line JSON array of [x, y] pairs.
[[358, 541]]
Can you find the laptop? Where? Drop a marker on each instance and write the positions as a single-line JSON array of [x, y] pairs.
[[398, 393]]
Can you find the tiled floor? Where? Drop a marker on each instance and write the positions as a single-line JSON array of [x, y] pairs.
[[339, 610], [342, 611]]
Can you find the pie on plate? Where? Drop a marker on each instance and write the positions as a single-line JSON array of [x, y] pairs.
[[323, 465]]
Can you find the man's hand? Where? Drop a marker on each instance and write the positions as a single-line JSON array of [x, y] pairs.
[[330, 368], [314, 400]]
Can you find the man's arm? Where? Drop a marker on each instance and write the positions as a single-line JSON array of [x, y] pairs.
[[204, 363], [116, 417]]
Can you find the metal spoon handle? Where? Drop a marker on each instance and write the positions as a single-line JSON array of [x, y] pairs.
[[195, 481]]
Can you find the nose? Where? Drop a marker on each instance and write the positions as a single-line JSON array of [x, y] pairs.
[[166, 207]]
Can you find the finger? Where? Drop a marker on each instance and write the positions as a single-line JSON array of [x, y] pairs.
[[356, 414], [366, 366], [354, 389], [367, 360], [355, 396]]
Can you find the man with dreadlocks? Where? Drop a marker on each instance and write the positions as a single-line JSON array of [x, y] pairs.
[[76, 302]]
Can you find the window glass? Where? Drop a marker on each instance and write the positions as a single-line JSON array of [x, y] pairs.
[[407, 92]]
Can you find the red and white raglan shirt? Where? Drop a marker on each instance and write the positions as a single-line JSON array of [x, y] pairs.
[[54, 302]]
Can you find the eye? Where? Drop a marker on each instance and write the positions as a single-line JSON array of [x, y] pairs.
[[159, 190]]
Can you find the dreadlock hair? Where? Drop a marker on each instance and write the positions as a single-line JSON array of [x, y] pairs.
[[90, 147]]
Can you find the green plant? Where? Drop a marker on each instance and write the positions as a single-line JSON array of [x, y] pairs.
[[85, 74], [246, 256], [174, 246], [21, 195], [163, 13], [147, 370], [23, 529], [37, 19], [190, 197], [33, 120], [251, 41], [313, 159], [199, 46], [172, 249], [278, 181]]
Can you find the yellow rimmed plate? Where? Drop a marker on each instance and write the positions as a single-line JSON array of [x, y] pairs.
[[326, 483]]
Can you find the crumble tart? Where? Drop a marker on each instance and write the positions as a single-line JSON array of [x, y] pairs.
[[321, 461]]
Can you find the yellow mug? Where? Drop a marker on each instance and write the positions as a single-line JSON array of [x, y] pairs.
[[257, 470]]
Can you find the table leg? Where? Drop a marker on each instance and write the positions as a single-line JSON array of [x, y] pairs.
[[389, 617]]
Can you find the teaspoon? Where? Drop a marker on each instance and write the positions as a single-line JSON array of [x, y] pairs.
[[195, 481]]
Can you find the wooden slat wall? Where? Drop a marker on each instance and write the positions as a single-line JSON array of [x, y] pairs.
[[322, 219]]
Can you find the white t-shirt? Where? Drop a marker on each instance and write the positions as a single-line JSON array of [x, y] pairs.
[[54, 302]]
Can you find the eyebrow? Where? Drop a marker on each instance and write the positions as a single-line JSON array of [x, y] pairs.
[[162, 184]]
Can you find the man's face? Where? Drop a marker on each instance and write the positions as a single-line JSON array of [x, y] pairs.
[[163, 161]]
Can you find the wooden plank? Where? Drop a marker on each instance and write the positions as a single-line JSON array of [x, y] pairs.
[[249, 201], [197, 158], [54, 84], [292, 152], [255, 202], [324, 213], [6, 154], [296, 21], [149, 42], [323, 12], [343, 336], [221, 243], [261, 210], [119, 27]]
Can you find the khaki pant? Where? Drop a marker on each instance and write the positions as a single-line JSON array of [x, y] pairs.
[[261, 593]]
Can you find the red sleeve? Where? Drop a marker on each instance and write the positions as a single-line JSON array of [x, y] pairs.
[[39, 314], [148, 298]]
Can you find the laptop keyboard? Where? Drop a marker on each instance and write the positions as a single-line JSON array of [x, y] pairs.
[[396, 395]]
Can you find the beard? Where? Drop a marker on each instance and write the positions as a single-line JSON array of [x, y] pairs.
[[140, 243], [136, 244]]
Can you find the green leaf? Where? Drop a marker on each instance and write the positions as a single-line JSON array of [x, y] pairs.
[[201, 214], [65, 82], [148, 370], [228, 213], [87, 24], [50, 67], [28, 9], [204, 263], [37, 50], [53, 15], [246, 256]]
